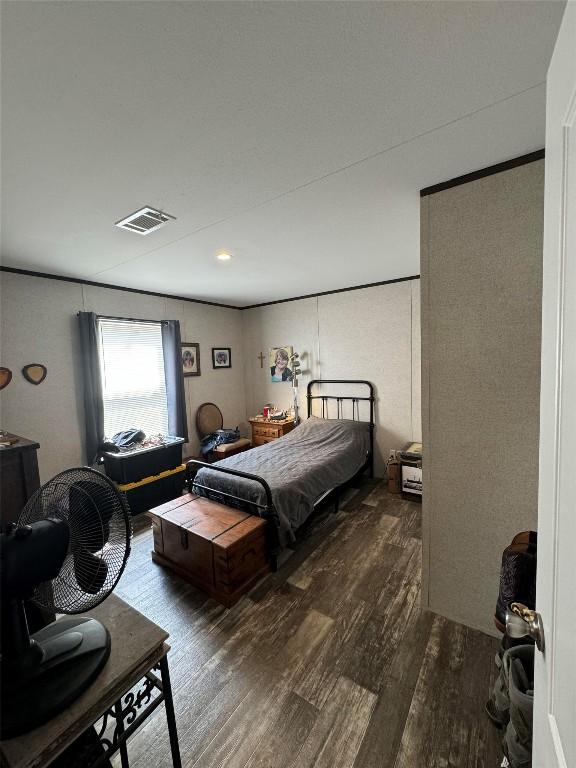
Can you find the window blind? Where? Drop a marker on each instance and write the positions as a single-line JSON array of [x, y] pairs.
[[133, 380]]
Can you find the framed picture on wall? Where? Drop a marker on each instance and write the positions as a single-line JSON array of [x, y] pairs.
[[190, 359], [279, 363], [221, 357]]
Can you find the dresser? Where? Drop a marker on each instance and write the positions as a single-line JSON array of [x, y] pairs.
[[19, 480], [19, 477], [264, 431]]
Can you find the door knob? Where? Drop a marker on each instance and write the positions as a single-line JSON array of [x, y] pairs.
[[523, 622]]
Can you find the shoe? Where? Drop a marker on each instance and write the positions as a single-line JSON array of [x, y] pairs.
[[517, 576]]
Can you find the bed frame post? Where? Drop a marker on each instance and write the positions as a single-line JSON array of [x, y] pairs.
[[371, 431]]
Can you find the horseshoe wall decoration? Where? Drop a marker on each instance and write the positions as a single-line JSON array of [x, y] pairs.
[[5, 377], [35, 373]]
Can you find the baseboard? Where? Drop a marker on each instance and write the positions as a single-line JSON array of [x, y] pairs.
[[486, 629]]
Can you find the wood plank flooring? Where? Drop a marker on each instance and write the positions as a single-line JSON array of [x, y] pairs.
[[328, 663]]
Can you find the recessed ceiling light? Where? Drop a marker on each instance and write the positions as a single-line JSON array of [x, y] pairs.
[[224, 256]]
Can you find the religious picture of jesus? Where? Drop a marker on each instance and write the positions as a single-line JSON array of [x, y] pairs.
[[279, 363]]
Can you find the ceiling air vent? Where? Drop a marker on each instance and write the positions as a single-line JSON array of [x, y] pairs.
[[144, 221]]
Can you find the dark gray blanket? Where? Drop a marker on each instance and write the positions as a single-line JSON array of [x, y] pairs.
[[300, 468]]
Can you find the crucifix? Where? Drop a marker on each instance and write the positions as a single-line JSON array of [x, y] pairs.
[[261, 358]]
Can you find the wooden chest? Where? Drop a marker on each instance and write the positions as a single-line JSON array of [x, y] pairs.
[[219, 549], [265, 431]]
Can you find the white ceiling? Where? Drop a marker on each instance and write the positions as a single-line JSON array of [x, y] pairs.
[[296, 135]]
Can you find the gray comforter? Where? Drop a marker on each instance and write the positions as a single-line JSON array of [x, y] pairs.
[[300, 468]]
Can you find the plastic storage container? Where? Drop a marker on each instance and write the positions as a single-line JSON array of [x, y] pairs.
[[131, 466], [152, 491]]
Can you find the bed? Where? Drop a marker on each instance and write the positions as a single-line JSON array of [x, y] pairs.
[[285, 480]]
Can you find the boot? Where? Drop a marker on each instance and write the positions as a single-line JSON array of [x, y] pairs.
[[517, 575], [518, 736], [498, 707]]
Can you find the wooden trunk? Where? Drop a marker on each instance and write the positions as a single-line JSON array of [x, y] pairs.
[[219, 549]]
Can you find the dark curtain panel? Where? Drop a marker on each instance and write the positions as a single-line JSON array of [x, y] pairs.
[[93, 404], [177, 421]]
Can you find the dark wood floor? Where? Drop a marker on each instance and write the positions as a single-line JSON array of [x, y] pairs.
[[328, 663]]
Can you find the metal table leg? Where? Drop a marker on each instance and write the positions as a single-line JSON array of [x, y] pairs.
[[170, 716], [120, 726]]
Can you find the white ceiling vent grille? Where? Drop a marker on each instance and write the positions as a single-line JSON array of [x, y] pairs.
[[144, 221]]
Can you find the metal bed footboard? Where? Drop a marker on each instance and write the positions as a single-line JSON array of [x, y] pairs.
[[266, 511]]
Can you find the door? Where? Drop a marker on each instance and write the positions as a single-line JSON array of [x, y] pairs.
[[555, 681]]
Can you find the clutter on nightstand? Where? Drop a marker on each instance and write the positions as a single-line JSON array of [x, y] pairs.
[[271, 413]]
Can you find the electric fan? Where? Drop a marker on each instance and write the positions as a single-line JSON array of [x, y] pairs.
[[65, 554]]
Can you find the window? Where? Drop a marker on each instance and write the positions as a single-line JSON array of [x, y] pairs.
[[133, 379]]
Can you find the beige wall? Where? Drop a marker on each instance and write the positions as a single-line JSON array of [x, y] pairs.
[[372, 333], [481, 265], [39, 325]]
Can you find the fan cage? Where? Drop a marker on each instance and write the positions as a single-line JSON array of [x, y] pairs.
[[99, 523]]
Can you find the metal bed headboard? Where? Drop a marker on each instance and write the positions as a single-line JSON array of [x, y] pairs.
[[355, 399]]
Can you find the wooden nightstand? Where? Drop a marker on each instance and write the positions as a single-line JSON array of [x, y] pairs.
[[266, 431]]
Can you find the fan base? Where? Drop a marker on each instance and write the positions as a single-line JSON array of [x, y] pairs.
[[59, 679]]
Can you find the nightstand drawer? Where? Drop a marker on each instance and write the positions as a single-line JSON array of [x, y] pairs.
[[265, 430], [262, 440]]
